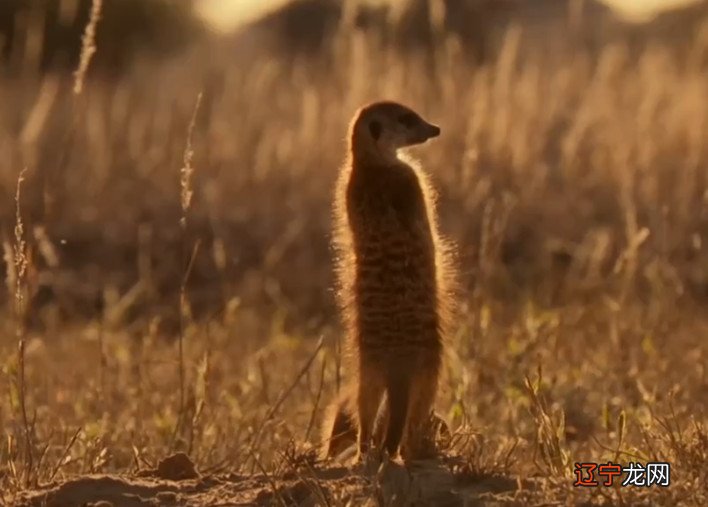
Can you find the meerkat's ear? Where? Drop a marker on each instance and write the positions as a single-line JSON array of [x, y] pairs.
[[375, 128]]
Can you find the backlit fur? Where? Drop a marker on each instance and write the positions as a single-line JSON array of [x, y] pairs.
[[394, 286]]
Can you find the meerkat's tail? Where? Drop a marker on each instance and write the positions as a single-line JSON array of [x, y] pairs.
[[339, 430]]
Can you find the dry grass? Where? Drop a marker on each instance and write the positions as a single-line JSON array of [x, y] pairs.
[[88, 46], [577, 193]]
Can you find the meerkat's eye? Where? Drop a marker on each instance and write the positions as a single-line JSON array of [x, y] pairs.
[[375, 129], [408, 120]]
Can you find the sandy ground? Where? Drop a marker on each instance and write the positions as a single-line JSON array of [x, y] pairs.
[[176, 482]]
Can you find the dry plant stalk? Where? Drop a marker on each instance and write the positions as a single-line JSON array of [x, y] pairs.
[[19, 271], [186, 193], [88, 46], [550, 428], [187, 168]]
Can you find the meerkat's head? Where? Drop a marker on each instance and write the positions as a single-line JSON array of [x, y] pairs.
[[380, 129]]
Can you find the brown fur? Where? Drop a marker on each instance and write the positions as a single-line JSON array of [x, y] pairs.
[[393, 285]]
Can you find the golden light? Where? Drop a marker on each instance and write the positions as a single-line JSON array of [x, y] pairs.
[[226, 15], [644, 10]]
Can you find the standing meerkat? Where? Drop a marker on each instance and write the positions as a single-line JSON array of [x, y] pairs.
[[393, 290]]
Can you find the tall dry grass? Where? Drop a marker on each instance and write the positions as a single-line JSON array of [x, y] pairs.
[[576, 191], [88, 46]]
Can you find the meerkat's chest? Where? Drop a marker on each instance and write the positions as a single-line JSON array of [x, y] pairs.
[[385, 205], [392, 240]]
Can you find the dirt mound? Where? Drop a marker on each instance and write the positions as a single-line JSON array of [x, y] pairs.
[[174, 468], [427, 483]]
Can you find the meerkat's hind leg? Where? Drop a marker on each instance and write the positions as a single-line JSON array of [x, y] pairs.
[[381, 423], [419, 440], [369, 395], [398, 400]]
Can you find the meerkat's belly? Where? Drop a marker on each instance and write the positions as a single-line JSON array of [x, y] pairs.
[[396, 295]]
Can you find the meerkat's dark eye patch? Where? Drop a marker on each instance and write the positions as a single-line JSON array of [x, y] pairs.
[[408, 120], [375, 129]]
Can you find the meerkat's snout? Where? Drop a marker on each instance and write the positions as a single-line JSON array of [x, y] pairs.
[[431, 130], [415, 123], [417, 129]]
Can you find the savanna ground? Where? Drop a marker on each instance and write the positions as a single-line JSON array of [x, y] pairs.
[[575, 188]]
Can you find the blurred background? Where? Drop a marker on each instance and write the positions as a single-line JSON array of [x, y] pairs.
[[573, 159]]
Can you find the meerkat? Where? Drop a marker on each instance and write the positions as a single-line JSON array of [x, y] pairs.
[[393, 272]]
